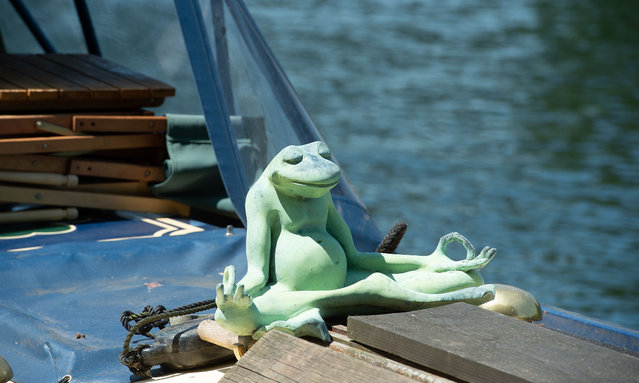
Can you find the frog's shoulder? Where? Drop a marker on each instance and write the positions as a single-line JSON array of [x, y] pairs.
[[261, 195]]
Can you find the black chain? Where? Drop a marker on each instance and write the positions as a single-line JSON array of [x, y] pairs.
[[145, 322]]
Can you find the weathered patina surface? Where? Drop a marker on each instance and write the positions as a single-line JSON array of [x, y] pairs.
[[303, 265]]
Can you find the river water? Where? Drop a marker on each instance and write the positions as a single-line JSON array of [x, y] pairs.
[[513, 123]]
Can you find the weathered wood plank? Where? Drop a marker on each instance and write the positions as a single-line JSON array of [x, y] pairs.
[[279, 357], [140, 124], [78, 143], [343, 344], [42, 196], [116, 170], [476, 345]]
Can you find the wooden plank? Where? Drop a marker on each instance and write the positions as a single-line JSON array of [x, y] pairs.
[[36, 90], [74, 106], [11, 92], [158, 88], [65, 89], [41, 196], [123, 188], [110, 169], [95, 89], [26, 124], [78, 143], [39, 215], [476, 345], [279, 357], [343, 344], [126, 87], [35, 163], [83, 82], [137, 124]]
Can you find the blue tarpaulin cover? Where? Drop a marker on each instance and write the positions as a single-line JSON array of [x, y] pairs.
[[73, 280]]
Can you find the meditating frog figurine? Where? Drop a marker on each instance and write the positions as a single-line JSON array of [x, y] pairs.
[[303, 265]]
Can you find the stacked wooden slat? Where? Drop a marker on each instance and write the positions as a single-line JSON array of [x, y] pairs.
[[83, 161], [73, 135], [71, 82]]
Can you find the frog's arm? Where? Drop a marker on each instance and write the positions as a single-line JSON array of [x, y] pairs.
[[380, 262], [258, 244], [438, 261]]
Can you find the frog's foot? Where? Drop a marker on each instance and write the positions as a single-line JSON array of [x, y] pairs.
[[471, 262], [308, 323], [473, 295], [230, 295], [235, 309]]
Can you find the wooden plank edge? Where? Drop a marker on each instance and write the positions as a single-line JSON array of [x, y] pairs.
[[42, 196]]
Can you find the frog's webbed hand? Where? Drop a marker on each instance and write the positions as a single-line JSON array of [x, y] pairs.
[[471, 262], [230, 295]]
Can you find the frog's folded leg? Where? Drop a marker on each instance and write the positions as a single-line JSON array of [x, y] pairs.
[[307, 323]]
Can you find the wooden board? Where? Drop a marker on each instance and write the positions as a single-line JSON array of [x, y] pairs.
[[157, 88], [122, 188], [131, 124], [35, 163], [72, 82], [42, 196], [78, 143], [28, 65], [27, 124], [21, 124], [343, 344], [279, 357], [36, 89], [476, 345], [109, 169]]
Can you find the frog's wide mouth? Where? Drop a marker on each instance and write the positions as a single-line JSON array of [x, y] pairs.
[[322, 185], [278, 179]]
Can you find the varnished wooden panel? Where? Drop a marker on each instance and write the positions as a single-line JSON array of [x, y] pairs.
[[78, 143], [72, 82]]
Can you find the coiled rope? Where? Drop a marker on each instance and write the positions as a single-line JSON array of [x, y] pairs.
[[145, 321]]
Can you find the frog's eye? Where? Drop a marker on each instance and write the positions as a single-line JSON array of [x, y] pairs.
[[324, 151], [293, 157]]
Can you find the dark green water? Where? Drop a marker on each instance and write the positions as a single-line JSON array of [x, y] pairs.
[[514, 123]]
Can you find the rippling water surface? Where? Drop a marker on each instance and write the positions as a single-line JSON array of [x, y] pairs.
[[514, 123]]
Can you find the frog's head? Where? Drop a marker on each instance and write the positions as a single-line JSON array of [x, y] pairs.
[[304, 171]]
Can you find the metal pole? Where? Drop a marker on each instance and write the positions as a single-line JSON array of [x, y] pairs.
[[33, 26], [87, 27]]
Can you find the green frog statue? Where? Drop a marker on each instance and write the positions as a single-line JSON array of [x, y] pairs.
[[303, 265]]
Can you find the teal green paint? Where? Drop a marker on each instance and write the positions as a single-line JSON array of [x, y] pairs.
[[303, 265]]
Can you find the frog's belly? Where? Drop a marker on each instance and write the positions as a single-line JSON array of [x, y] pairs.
[[309, 262]]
